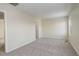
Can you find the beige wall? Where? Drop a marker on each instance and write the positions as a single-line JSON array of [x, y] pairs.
[[54, 28], [74, 28], [19, 27], [1, 28]]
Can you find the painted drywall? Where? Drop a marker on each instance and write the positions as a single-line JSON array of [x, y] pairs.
[[74, 28], [19, 27], [54, 28], [1, 28], [38, 28]]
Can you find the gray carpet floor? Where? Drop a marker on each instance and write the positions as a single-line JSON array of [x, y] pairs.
[[44, 47]]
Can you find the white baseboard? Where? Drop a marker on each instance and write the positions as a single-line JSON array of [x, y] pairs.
[[57, 37], [76, 50], [7, 51]]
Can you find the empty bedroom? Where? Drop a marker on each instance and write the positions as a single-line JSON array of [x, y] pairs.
[[39, 29]]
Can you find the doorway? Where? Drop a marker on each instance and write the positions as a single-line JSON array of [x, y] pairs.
[[2, 36], [36, 31]]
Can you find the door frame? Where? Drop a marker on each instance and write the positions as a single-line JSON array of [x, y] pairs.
[[4, 29]]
